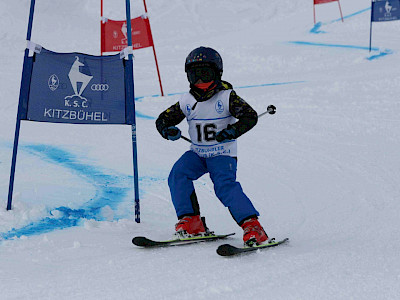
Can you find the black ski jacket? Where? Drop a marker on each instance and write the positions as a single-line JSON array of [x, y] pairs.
[[240, 109]]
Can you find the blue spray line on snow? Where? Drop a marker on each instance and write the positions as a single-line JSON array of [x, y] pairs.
[[380, 54], [143, 116], [317, 29], [332, 45], [110, 191], [268, 84], [237, 87], [317, 26]]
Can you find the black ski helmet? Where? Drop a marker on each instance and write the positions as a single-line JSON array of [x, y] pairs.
[[204, 55]]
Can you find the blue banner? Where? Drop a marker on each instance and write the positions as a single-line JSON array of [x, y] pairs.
[[77, 88], [385, 10]]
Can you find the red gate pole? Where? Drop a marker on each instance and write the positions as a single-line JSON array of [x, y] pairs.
[[340, 10], [154, 51], [101, 29], [313, 9]]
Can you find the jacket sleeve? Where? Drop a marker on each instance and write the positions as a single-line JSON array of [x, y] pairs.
[[242, 111], [170, 117]]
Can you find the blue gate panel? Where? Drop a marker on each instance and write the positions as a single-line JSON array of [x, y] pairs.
[[77, 88]]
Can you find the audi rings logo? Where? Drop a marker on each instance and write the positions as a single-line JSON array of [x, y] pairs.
[[99, 87]]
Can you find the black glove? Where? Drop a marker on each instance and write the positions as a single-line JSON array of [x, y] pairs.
[[171, 133], [226, 134]]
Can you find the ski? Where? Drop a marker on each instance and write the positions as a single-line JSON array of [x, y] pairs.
[[229, 250], [142, 241]]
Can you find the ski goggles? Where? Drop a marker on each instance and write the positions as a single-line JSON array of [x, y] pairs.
[[204, 72]]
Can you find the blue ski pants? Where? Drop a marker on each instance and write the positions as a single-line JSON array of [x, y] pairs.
[[222, 170]]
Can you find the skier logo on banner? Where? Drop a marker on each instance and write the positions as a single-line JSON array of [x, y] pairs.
[[388, 7], [124, 30], [76, 76]]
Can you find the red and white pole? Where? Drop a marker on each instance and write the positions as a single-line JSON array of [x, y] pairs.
[[313, 8], [154, 50]]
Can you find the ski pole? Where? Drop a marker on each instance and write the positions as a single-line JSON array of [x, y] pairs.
[[185, 138], [271, 109]]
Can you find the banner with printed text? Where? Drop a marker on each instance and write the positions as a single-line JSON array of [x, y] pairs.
[[77, 88], [385, 10], [114, 34]]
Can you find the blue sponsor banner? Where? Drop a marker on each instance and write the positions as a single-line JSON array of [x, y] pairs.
[[77, 88], [385, 10]]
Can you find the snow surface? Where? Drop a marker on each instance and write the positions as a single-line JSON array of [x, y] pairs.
[[323, 171]]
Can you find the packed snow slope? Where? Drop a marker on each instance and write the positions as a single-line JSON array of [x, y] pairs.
[[323, 171]]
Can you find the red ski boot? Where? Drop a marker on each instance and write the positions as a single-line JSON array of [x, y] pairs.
[[253, 233], [189, 226]]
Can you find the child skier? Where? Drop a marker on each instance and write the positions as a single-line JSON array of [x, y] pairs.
[[211, 108]]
